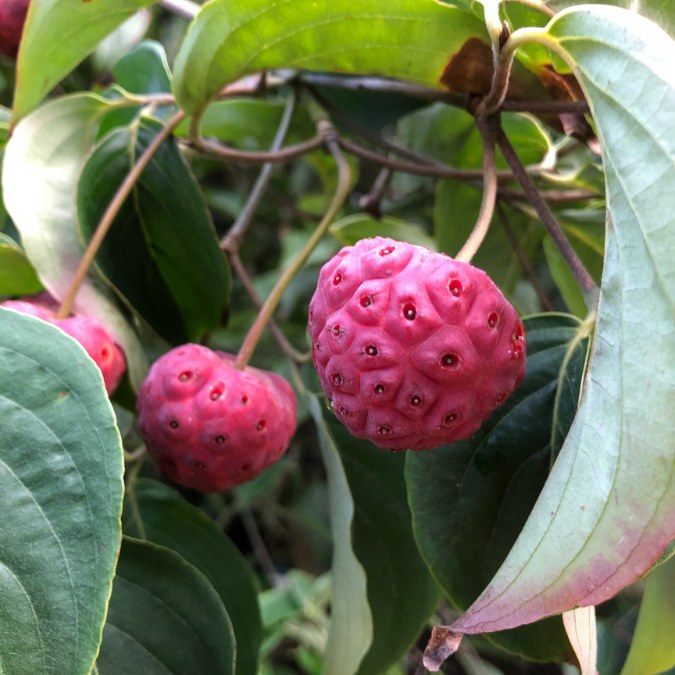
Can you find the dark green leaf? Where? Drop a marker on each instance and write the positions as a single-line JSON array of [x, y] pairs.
[[61, 485], [164, 618], [159, 514], [161, 253], [350, 229], [470, 500], [401, 593]]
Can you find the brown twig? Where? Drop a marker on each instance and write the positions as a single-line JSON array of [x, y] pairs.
[[581, 274], [500, 76], [111, 213], [221, 151], [557, 196], [370, 202]]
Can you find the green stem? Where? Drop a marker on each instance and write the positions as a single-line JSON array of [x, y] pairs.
[[342, 191], [111, 212]]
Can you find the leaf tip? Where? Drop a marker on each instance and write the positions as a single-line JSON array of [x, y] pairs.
[[442, 644]]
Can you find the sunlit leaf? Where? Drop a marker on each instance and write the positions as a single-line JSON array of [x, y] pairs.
[[61, 485], [17, 276], [42, 166]]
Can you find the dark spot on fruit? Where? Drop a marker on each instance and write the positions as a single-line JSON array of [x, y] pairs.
[[371, 350], [337, 330], [365, 301], [336, 379], [167, 463], [449, 361], [220, 439], [501, 398], [105, 353], [260, 426], [450, 419], [415, 401], [245, 467], [174, 424], [185, 376], [455, 287], [216, 393], [343, 411], [520, 332], [493, 318], [337, 279], [244, 399], [199, 466], [387, 250], [409, 311], [379, 389], [383, 429]]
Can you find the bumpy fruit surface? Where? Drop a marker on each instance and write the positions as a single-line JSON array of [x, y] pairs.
[[12, 17], [87, 331], [413, 349], [209, 425]]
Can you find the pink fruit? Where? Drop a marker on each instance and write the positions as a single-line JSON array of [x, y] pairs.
[[87, 331], [12, 18], [413, 349], [209, 425]]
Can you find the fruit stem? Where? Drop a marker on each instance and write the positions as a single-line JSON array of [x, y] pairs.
[[111, 213], [325, 129], [488, 127]]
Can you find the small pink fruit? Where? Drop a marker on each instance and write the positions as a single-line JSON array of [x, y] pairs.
[[12, 18], [209, 425], [87, 331], [413, 349]]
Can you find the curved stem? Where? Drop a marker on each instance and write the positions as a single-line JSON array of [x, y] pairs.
[[488, 128], [539, 5], [232, 240], [223, 152], [341, 193], [111, 213]]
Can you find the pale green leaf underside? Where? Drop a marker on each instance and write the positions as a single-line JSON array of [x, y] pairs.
[[406, 39], [351, 626], [608, 508], [41, 170], [61, 486], [57, 36]]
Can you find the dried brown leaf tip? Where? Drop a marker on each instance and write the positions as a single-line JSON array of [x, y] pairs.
[[442, 644]]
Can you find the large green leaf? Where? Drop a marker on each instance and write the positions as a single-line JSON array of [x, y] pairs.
[[611, 495], [469, 500], [164, 618], [161, 253], [42, 166], [159, 514], [57, 36], [61, 485], [405, 39], [351, 626], [401, 593]]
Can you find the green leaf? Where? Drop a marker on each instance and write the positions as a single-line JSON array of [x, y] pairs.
[[159, 514], [611, 495], [469, 500], [404, 39], [42, 166], [351, 626], [564, 279], [17, 276], [57, 36], [653, 648], [144, 70], [164, 617], [162, 253], [61, 485], [401, 593]]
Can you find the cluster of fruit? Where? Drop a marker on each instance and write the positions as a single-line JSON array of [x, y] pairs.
[[413, 350]]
